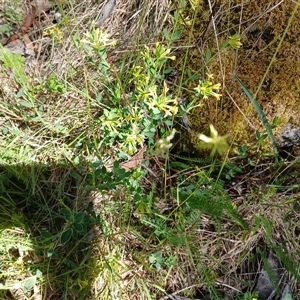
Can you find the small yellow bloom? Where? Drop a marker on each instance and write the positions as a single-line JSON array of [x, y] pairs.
[[235, 41], [207, 88], [98, 39], [215, 142], [55, 33]]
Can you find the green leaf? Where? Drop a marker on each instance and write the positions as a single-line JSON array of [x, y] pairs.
[[156, 259], [6, 29], [177, 34], [80, 228], [50, 252], [90, 207], [208, 56], [166, 34], [180, 165], [79, 217], [29, 283], [289, 264], [46, 235], [193, 76], [168, 71], [68, 214], [26, 104], [75, 175], [261, 115], [66, 236], [39, 273]]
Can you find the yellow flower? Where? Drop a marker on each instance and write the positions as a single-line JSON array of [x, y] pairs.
[[234, 41], [55, 33], [207, 88], [215, 142], [98, 39], [162, 53], [166, 104]]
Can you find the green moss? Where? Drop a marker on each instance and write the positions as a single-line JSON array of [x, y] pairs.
[[261, 25]]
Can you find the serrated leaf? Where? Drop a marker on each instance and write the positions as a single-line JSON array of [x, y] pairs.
[[5, 29]]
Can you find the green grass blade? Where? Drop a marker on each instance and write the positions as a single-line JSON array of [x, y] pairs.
[[261, 115]]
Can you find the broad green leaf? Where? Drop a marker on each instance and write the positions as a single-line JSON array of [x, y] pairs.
[[177, 34], [79, 217], [29, 283], [68, 214], [166, 34], [66, 236], [46, 234]]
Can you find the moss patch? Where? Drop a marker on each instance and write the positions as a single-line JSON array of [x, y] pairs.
[[261, 26]]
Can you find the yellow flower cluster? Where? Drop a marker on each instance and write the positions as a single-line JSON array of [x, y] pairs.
[[207, 88], [98, 39], [55, 33]]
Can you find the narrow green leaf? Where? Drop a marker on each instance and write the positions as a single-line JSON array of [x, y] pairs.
[[287, 261], [26, 104], [208, 56], [180, 165], [261, 115]]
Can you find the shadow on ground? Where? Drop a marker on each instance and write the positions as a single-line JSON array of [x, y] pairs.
[[47, 227]]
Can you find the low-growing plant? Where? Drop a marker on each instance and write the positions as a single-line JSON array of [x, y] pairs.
[[129, 105]]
